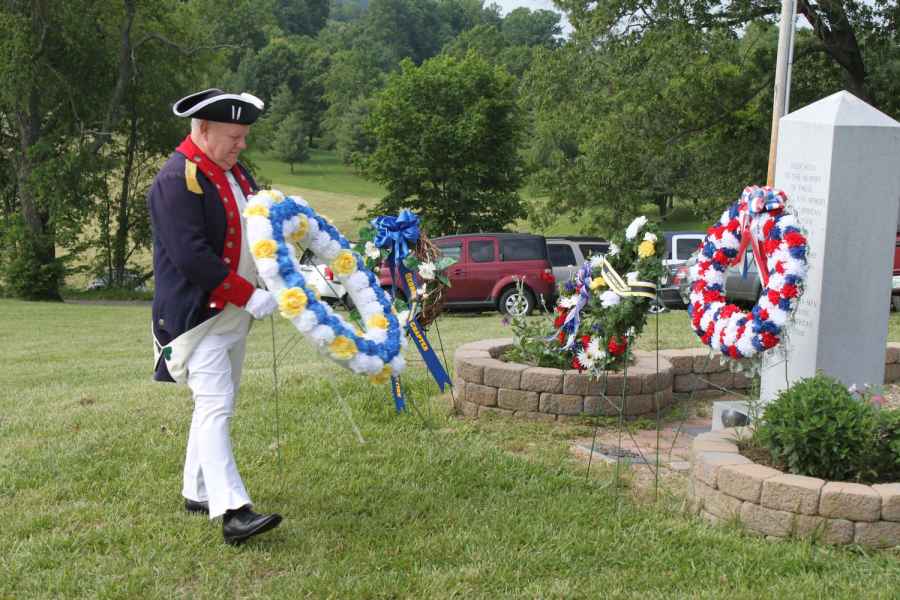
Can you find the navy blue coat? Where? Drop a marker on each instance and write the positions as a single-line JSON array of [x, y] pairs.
[[196, 244]]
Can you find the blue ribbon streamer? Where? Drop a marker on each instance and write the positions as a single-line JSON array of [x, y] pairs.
[[397, 393], [428, 355], [573, 319]]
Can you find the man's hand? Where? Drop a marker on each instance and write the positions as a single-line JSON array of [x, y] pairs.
[[261, 304]]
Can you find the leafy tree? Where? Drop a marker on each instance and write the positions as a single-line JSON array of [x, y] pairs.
[[523, 27], [447, 136], [684, 113], [290, 140], [858, 35], [302, 17], [66, 72]]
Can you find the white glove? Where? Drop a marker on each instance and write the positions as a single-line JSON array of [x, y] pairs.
[[261, 304]]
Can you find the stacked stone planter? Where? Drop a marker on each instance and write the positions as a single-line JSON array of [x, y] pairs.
[[486, 385], [726, 486]]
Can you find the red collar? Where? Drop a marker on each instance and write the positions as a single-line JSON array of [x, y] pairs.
[[213, 171], [231, 254]]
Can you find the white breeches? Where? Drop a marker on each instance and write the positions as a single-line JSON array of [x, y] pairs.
[[210, 473]]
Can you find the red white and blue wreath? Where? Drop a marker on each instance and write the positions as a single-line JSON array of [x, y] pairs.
[[758, 220]]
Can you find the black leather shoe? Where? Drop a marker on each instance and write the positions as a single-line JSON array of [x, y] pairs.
[[195, 507], [242, 524]]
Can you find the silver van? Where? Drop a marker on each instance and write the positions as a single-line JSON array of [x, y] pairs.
[[568, 253]]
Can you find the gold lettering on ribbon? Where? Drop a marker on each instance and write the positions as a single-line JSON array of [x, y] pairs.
[[410, 282], [415, 329]]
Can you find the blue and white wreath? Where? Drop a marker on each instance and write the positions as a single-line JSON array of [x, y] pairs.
[[276, 223]]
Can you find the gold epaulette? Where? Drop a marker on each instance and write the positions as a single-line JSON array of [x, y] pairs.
[[190, 177]]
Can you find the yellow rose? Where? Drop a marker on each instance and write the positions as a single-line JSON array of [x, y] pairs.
[[377, 321], [257, 210], [597, 283], [292, 302], [342, 348], [344, 264], [646, 249], [264, 249], [300, 232], [382, 377]]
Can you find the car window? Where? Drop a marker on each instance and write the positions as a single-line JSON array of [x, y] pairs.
[[451, 250], [684, 247], [561, 255], [481, 250], [526, 248], [589, 250]]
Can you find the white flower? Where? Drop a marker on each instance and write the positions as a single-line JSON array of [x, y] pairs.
[[634, 227], [594, 350], [585, 360], [630, 332], [596, 261], [426, 270], [372, 250], [613, 249], [609, 298], [568, 301], [631, 277], [650, 237]]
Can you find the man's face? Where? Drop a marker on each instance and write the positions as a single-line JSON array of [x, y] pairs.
[[224, 142]]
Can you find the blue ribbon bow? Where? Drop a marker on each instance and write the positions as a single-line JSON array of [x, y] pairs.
[[396, 234]]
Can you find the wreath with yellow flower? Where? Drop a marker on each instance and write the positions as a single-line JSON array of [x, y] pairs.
[[275, 226], [605, 306]]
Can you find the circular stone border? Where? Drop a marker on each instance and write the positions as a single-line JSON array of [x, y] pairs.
[[487, 385], [726, 486]]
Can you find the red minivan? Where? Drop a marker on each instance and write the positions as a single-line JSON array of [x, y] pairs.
[[488, 266]]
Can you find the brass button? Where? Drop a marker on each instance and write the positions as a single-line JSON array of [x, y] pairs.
[[197, 159], [227, 261], [229, 244], [226, 286], [230, 214], [212, 304], [162, 322], [231, 230]]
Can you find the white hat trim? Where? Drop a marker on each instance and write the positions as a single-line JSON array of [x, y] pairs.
[[244, 97]]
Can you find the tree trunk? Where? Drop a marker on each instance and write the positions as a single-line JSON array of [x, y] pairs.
[[662, 203], [831, 25], [39, 243], [120, 240]]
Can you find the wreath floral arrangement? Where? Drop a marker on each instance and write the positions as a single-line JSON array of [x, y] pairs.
[[276, 223], [600, 312], [758, 219], [401, 237]]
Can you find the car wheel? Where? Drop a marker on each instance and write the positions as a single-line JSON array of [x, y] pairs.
[[516, 304], [656, 308]]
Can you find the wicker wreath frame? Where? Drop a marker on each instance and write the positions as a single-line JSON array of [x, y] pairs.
[[433, 304]]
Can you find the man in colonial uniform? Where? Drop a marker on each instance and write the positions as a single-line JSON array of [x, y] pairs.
[[206, 295]]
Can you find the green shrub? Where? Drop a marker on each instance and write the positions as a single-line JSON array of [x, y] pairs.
[[818, 428], [887, 439]]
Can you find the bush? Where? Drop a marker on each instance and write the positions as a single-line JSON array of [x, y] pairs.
[[818, 428]]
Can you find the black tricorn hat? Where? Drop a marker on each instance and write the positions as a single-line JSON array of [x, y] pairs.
[[215, 105]]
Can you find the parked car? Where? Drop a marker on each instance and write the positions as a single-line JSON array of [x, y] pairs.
[[567, 254], [680, 245], [321, 277], [740, 288], [895, 282], [488, 267], [131, 280]]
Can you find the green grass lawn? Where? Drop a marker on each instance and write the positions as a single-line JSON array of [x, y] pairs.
[[428, 507]]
